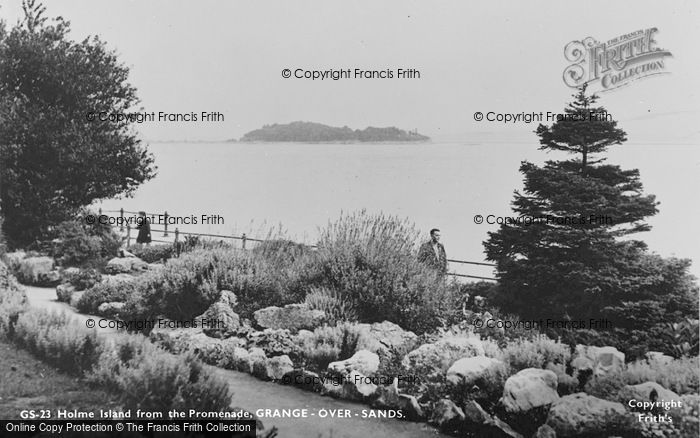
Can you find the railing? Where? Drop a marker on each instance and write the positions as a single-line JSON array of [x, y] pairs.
[[244, 240]]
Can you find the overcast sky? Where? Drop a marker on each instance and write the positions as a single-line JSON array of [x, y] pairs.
[[503, 56]]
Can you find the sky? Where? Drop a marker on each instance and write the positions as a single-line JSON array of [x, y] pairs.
[[502, 56]]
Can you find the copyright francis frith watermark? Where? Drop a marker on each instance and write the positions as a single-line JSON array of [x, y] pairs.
[[616, 62]]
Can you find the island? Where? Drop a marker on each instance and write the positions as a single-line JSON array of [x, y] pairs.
[[309, 132]]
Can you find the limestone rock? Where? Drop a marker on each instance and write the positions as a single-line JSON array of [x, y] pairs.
[[436, 358], [647, 392], [363, 361], [110, 309], [528, 389], [468, 369], [357, 387], [303, 379], [64, 292], [474, 414], [600, 360], [276, 367], [292, 317], [582, 414], [384, 337], [545, 431], [219, 320], [125, 265], [447, 416]]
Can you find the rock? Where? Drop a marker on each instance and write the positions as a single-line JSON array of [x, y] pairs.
[[258, 361], [276, 367], [447, 416], [528, 389], [475, 415], [219, 352], [467, 370], [176, 340], [357, 387], [599, 360], [387, 396], [545, 431], [111, 309], [434, 359], [64, 292], [292, 317], [647, 392], [125, 265], [219, 320], [306, 380], [582, 414], [384, 338], [241, 360], [499, 428], [656, 356], [37, 270], [363, 361], [410, 408], [274, 342]]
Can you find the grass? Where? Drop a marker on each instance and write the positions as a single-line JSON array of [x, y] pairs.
[[28, 383]]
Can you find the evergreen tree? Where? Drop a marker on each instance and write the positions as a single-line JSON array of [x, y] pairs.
[[54, 157], [575, 260]]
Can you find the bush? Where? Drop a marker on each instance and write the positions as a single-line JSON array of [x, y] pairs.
[[13, 301], [154, 253], [79, 244], [681, 376], [372, 259], [51, 337], [329, 344], [104, 293], [152, 380], [336, 307], [85, 279], [536, 353]]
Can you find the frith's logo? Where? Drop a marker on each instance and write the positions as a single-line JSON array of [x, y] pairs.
[[616, 62]]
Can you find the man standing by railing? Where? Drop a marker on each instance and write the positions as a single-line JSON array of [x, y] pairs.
[[432, 253]]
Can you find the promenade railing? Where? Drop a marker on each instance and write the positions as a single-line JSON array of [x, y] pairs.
[[125, 226]]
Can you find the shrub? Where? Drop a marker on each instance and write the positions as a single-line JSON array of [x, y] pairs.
[[85, 278], [681, 376], [154, 253], [274, 343], [104, 293], [151, 379], [372, 259], [329, 344], [336, 307], [51, 337], [536, 353], [79, 244], [13, 301]]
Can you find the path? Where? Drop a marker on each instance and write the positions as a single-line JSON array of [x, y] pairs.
[[252, 394]]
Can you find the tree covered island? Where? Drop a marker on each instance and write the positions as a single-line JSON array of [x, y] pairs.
[[317, 132]]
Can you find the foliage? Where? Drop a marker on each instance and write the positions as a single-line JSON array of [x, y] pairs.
[[106, 292], [316, 132], [3, 243], [274, 343], [154, 253], [330, 343], [77, 243], [151, 379], [13, 301], [85, 278], [55, 159], [681, 376], [537, 353], [55, 340], [372, 259], [336, 307]]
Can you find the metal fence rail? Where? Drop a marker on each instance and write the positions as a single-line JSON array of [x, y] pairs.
[[244, 239]]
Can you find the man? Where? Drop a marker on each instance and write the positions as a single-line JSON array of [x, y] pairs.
[[432, 253], [144, 228]]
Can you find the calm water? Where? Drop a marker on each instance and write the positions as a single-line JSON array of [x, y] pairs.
[[443, 185]]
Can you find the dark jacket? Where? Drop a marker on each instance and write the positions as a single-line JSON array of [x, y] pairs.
[[144, 228], [426, 254]]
